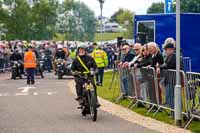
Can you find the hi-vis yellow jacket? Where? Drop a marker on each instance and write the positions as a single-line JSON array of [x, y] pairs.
[[100, 57]]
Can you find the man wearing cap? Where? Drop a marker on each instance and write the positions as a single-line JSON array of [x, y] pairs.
[[170, 63], [101, 60], [30, 65], [128, 57]]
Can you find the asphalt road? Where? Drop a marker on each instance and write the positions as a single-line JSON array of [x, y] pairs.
[[49, 107]]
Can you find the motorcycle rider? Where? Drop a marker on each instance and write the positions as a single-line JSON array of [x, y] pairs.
[[79, 67], [60, 54], [16, 56], [48, 55]]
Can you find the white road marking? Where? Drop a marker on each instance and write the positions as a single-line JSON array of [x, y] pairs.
[[21, 94], [26, 89], [51, 93], [4, 94], [35, 93]]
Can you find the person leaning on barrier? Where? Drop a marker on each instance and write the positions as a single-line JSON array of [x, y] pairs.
[[157, 58], [144, 85], [170, 63], [137, 48], [128, 56], [145, 59]]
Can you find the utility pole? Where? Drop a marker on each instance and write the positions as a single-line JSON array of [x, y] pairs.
[[102, 28], [177, 90]]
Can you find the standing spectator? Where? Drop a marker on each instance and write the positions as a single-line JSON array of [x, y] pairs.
[[30, 65], [170, 63], [144, 78], [1, 57], [110, 53], [128, 57], [101, 60], [7, 55], [157, 59], [137, 48]]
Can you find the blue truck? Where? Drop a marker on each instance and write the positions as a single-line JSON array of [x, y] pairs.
[[158, 27]]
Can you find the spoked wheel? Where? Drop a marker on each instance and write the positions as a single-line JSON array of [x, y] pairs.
[[93, 106]]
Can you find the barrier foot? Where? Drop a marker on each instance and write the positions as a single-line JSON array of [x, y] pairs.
[[156, 111], [133, 106], [132, 102], [188, 123], [119, 98], [150, 109]]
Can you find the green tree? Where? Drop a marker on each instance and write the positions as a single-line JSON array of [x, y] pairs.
[[156, 8], [192, 6], [125, 18], [77, 21], [43, 18], [114, 16]]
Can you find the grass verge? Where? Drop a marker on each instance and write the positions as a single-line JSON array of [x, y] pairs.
[[112, 94]]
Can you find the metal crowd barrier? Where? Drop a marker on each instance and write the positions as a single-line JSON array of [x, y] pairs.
[[146, 88], [155, 92], [126, 84], [193, 95], [187, 65], [167, 82]]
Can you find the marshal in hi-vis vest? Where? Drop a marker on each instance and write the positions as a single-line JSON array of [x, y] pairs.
[[30, 60]]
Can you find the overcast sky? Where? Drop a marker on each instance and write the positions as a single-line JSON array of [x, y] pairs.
[[110, 6]]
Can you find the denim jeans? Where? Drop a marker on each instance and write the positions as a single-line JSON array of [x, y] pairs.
[[125, 85], [30, 74], [169, 95], [99, 75]]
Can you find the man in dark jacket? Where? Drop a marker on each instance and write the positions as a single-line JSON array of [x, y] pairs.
[[16, 56], [170, 63], [157, 58], [79, 67], [48, 56], [128, 57]]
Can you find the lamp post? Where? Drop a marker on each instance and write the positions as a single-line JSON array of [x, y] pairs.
[[177, 90], [101, 7]]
